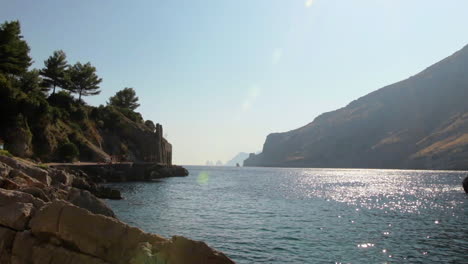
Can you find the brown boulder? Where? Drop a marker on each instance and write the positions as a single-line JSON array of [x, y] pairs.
[[29, 169], [8, 184], [4, 170], [182, 250], [36, 192], [103, 237], [107, 193], [11, 196], [86, 200], [61, 177], [22, 179], [7, 236], [16, 215], [16, 208]]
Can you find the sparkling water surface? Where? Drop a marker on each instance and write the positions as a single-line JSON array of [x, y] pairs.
[[276, 215]]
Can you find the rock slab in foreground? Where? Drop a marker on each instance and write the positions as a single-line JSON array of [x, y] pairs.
[[112, 241]]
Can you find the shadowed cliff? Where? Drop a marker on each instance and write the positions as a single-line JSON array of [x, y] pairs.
[[421, 122]]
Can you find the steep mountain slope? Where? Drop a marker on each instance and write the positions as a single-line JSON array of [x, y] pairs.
[[421, 122]]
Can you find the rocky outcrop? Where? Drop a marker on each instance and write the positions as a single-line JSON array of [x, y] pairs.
[[131, 140], [465, 184], [28, 169], [418, 123], [85, 199], [121, 172], [59, 223], [17, 208]]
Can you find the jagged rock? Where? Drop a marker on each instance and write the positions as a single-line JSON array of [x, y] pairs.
[[158, 171], [4, 170], [182, 250], [86, 200], [34, 172], [50, 254], [81, 183], [36, 192], [16, 215], [24, 180], [8, 184], [108, 193], [465, 184], [61, 177], [16, 208], [7, 237], [11, 196]]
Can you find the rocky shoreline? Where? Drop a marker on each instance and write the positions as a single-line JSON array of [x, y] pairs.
[[52, 215]]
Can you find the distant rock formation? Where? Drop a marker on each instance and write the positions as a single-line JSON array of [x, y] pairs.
[[238, 159], [465, 184], [418, 123], [47, 217], [133, 141]]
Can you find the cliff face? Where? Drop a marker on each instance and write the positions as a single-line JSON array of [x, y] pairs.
[[421, 122], [125, 139]]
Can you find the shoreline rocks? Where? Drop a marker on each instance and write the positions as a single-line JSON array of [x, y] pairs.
[[123, 172], [55, 217]]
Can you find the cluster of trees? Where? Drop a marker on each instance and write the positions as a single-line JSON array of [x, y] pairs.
[[31, 105], [56, 73], [15, 62]]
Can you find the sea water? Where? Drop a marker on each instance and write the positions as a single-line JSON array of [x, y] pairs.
[[276, 215]]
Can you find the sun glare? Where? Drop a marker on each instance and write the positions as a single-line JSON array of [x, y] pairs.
[[309, 3]]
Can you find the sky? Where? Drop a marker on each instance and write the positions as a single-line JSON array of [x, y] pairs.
[[220, 75]]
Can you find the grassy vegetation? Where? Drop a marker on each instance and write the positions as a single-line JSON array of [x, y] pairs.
[[5, 153], [42, 166]]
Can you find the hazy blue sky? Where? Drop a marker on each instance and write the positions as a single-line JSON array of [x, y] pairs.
[[221, 75]]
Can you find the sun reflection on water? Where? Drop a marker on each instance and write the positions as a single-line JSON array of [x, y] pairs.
[[390, 190]]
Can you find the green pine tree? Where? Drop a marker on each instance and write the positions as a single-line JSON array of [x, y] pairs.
[[82, 79], [125, 98], [14, 57], [31, 81], [54, 70]]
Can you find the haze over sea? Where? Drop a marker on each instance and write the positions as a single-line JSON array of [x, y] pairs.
[[276, 215]]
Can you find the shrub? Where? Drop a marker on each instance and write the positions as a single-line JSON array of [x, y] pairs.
[[42, 166], [68, 152]]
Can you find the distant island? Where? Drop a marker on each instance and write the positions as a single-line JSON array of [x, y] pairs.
[[238, 159], [417, 123]]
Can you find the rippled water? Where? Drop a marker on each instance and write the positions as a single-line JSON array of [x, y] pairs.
[[271, 215]]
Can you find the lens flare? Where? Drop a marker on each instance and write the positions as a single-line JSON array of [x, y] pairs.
[[203, 177], [309, 3], [277, 54]]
